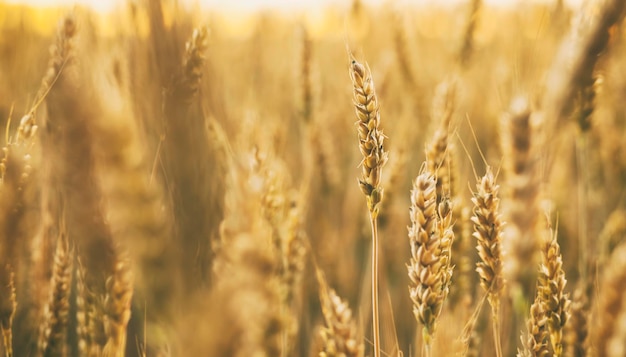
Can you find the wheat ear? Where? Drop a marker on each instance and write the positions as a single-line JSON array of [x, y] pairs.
[[374, 158], [117, 302], [56, 314], [551, 288], [340, 336], [488, 233], [536, 344], [430, 237]]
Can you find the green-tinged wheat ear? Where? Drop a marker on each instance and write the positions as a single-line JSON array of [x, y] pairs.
[[607, 333], [53, 334]]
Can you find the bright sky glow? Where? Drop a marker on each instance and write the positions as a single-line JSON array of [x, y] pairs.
[[286, 5]]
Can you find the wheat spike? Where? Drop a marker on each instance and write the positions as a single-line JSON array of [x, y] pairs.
[[61, 55], [370, 136], [117, 303], [537, 341], [551, 289], [430, 238], [193, 61], [89, 327], [52, 339], [488, 232], [339, 336], [374, 158]]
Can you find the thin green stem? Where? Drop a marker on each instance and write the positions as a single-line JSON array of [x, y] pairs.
[[375, 321]]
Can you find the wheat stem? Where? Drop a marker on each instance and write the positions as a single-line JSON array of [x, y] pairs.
[[495, 316], [374, 158], [375, 317]]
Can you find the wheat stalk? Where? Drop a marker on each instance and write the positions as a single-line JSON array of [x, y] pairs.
[[374, 158], [8, 305]]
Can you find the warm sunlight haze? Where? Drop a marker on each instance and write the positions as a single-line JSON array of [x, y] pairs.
[[287, 5], [312, 178]]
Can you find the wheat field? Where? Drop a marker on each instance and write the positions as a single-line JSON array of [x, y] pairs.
[[359, 180]]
